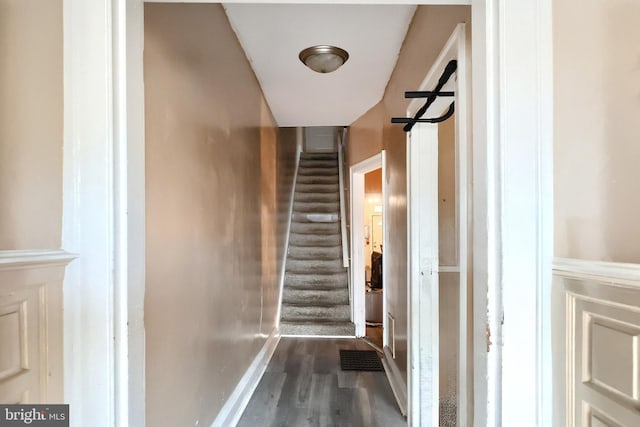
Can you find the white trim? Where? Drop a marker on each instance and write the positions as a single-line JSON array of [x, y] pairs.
[[356, 181], [597, 269], [385, 242], [343, 215], [283, 269], [89, 227], [398, 387], [464, 188], [130, 215], [523, 108], [237, 402], [13, 260], [486, 360]]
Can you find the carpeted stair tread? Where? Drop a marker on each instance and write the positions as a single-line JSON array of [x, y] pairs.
[[307, 313], [323, 266], [316, 207], [313, 252], [316, 218], [315, 281], [315, 227], [316, 197], [317, 188], [319, 156], [318, 328], [318, 163], [317, 179], [315, 171], [315, 299], [298, 239]]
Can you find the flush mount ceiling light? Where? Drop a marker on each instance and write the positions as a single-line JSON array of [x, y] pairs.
[[323, 58]]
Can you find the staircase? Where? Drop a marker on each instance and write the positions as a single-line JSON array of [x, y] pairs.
[[315, 298]]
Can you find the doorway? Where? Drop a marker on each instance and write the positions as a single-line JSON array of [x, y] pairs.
[[373, 248], [438, 218], [368, 234]]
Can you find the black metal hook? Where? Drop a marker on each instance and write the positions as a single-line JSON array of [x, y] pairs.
[[431, 97]]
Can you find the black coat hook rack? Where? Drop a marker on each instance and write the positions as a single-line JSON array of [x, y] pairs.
[[431, 97]]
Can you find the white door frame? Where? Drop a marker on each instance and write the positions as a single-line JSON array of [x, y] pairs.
[[357, 192], [104, 209], [423, 239]]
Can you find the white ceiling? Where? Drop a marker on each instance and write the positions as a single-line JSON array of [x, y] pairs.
[[273, 35]]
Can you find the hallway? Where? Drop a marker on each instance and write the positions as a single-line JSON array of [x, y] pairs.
[[304, 386]]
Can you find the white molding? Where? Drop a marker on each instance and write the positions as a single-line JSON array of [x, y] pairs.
[[385, 243], [237, 402], [89, 210], [343, 222], [600, 270], [520, 98], [130, 213], [13, 260], [398, 386], [357, 192]]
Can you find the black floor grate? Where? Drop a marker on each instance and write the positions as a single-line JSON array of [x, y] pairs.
[[360, 360]]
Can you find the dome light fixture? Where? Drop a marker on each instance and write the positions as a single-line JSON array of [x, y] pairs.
[[323, 58]]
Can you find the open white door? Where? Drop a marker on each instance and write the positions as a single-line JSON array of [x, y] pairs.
[[422, 190], [427, 266]]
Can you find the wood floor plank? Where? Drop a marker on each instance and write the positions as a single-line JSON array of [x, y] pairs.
[[304, 386]]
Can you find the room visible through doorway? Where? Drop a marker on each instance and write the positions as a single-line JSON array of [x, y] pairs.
[[373, 250]]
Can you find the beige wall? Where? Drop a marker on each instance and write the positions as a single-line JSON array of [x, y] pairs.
[[31, 119], [597, 129], [429, 31], [217, 196]]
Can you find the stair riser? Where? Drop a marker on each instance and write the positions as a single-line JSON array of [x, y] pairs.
[[317, 188], [310, 171], [310, 313], [315, 227], [321, 297], [330, 164], [319, 156], [314, 240], [317, 179], [307, 207], [304, 252], [315, 281], [345, 329], [316, 218], [317, 197], [314, 266]]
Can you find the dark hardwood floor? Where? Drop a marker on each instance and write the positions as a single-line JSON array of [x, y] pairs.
[[304, 386]]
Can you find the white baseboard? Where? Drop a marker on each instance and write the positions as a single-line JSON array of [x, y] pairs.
[[233, 408], [398, 386]]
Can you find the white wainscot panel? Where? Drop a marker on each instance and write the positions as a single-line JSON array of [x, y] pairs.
[[599, 304], [31, 326]]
